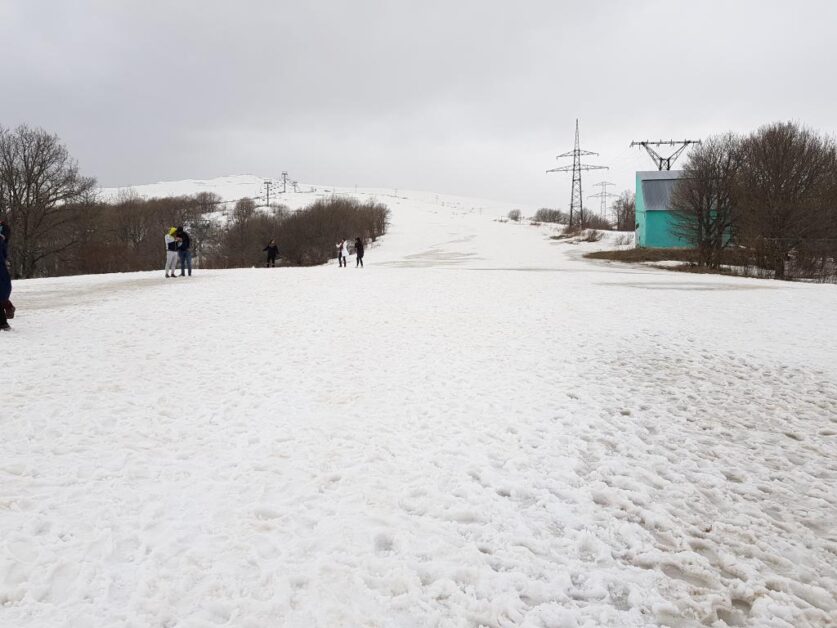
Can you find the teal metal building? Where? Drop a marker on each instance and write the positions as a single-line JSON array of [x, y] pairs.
[[654, 216]]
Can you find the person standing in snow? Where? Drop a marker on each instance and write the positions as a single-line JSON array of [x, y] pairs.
[[171, 251], [272, 253], [5, 286], [344, 253], [340, 254], [5, 231], [359, 252], [184, 251]]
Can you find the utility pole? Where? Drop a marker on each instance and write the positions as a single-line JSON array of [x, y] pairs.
[[267, 185], [576, 199], [284, 181], [664, 163], [604, 195]]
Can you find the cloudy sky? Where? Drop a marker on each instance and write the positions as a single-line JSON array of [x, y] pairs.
[[464, 97]]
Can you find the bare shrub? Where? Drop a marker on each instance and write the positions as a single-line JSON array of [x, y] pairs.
[[575, 234], [308, 237], [241, 240], [515, 215], [571, 231], [594, 221], [551, 215], [127, 234]]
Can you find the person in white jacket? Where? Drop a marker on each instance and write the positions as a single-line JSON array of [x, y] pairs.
[[171, 251], [344, 253]]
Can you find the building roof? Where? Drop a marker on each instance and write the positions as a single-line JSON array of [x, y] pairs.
[[657, 186]]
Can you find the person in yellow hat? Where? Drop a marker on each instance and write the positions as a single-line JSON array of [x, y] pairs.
[[171, 251]]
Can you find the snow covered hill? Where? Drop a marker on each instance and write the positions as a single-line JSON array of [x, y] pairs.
[[478, 428]]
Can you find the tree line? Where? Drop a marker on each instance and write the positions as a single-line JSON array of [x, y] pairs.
[[59, 227], [769, 196], [624, 216]]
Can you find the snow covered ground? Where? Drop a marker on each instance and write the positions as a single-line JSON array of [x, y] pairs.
[[480, 428]]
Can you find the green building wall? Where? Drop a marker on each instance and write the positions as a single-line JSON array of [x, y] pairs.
[[655, 225]]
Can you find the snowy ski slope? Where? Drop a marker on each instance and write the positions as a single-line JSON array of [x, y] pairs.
[[480, 428]]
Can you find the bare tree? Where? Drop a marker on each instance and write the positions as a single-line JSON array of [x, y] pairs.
[[39, 186], [243, 210], [208, 202], [788, 191], [624, 209], [704, 198], [130, 226]]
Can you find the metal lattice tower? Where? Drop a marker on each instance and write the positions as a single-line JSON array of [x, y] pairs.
[[576, 198], [664, 163], [604, 195], [267, 185]]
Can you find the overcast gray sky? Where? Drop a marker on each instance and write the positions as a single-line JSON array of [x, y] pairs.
[[465, 97]]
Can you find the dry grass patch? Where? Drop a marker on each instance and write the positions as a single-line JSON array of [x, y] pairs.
[[644, 255]]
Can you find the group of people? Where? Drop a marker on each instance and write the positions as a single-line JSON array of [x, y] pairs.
[[272, 251], [343, 253], [178, 247], [7, 310]]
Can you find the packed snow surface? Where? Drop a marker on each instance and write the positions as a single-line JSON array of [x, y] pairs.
[[480, 428]]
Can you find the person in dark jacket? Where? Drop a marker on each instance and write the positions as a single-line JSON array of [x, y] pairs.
[[359, 252], [184, 251], [272, 253], [5, 284], [5, 231]]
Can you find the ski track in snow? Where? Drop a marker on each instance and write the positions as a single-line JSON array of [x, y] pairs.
[[478, 429]]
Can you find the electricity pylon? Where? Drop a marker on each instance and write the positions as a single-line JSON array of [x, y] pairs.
[[577, 168], [604, 195], [664, 163]]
